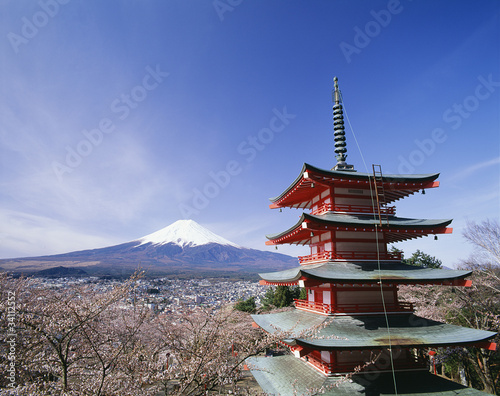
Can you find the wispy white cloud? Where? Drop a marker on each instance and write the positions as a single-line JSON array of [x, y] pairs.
[[113, 187], [470, 170], [24, 235], [114, 184], [118, 184]]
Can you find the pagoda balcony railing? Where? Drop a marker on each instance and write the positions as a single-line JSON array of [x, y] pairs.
[[313, 306], [329, 309], [400, 365], [322, 366], [401, 306], [328, 207], [348, 255]]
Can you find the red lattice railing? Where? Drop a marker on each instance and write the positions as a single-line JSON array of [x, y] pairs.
[[328, 309], [327, 207], [329, 368], [348, 255]]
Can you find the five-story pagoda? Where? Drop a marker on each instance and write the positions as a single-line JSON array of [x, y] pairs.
[[352, 319]]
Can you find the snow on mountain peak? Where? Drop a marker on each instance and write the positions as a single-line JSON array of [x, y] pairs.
[[183, 233]]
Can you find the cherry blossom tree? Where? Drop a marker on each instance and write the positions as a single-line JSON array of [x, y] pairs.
[[72, 339], [79, 340], [204, 350]]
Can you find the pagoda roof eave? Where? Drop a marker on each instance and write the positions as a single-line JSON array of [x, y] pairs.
[[367, 331], [291, 186], [360, 220], [354, 175], [286, 375], [365, 272], [330, 221]]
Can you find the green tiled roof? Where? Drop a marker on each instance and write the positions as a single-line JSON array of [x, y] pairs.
[[365, 331], [360, 220], [365, 272], [358, 176], [287, 375], [344, 220]]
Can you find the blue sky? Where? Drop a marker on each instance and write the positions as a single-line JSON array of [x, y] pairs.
[[121, 117]]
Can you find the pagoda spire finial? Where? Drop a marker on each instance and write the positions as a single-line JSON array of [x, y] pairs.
[[338, 129], [336, 91]]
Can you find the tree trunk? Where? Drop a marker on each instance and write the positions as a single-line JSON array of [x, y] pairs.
[[65, 375], [480, 362]]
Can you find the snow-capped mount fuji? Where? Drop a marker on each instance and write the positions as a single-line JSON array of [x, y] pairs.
[[185, 233], [184, 248]]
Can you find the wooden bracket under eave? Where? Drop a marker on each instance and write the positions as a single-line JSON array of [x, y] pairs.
[[433, 184], [488, 345], [462, 282]]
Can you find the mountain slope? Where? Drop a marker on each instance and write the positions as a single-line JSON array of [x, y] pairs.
[[184, 249]]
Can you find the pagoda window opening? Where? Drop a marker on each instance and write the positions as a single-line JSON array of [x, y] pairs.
[[321, 243], [315, 359], [378, 360], [373, 361], [318, 296], [351, 299], [368, 300], [340, 362], [319, 299], [361, 201], [322, 206]]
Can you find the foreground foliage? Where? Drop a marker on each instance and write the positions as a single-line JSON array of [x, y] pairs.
[[247, 305]]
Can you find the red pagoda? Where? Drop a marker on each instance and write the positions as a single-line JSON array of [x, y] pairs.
[[352, 320]]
